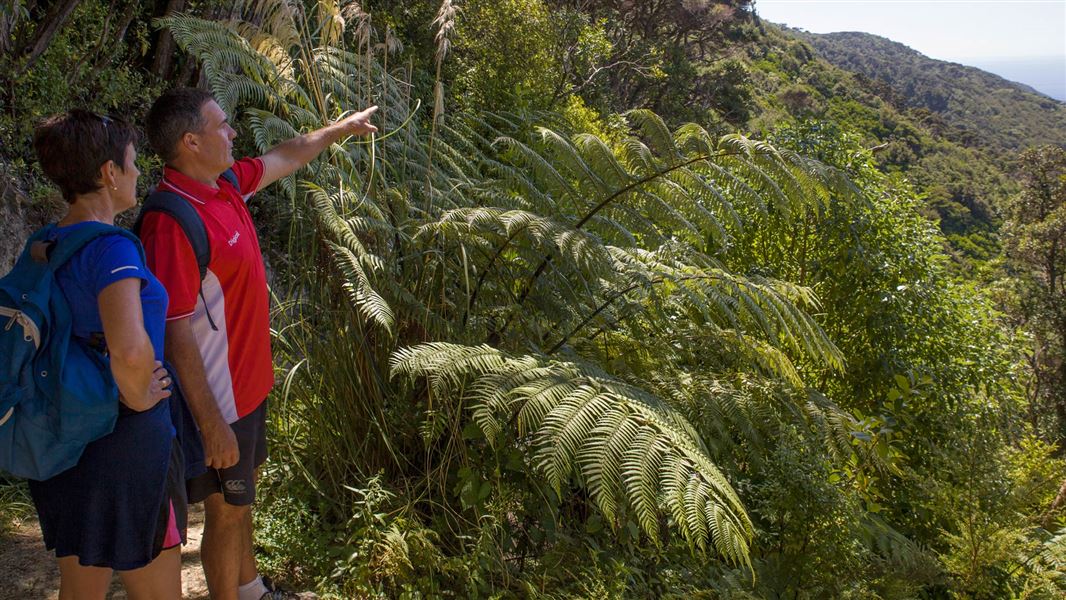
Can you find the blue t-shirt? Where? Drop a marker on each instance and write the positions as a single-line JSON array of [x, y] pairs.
[[100, 263]]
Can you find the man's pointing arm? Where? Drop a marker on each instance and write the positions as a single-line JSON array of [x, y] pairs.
[[289, 156]]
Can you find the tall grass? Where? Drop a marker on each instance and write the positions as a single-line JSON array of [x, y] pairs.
[[15, 504]]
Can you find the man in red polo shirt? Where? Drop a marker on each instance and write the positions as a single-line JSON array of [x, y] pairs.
[[218, 329]]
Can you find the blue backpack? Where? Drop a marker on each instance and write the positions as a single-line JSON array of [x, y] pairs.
[[57, 393]]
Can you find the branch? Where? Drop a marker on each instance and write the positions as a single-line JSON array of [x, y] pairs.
[[485, 271], [618, 295], [639, 68], [603, 204], [50, 26], [1059, 498]]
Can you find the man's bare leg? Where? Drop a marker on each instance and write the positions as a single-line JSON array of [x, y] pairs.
[[227, 531], [248, 566]]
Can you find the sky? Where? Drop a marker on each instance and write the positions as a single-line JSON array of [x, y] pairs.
[[1025, 38]]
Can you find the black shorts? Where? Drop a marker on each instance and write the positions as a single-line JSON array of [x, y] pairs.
[[236, 483]]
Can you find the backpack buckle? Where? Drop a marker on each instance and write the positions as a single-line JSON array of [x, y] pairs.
[[96, 341], [40, 251]]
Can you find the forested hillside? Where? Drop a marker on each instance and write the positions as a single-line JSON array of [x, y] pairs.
[[978, 108], [955, 131], [625, 300]]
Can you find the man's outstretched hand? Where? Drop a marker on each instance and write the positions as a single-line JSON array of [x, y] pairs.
[[359, 123], [289, 156]]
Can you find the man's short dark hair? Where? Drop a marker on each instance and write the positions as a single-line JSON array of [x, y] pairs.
[[72, 147], [174, 114]]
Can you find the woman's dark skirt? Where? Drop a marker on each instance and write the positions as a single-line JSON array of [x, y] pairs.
[[112, 508]]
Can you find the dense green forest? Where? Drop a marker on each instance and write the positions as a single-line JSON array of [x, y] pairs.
[[625, 300], [960, 130]]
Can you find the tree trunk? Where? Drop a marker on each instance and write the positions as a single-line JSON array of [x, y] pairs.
[[50, 26], [1059, 499], [97, 51], [225, 10], [164, 50], [120, 32], [189, 71], [1058, 385]]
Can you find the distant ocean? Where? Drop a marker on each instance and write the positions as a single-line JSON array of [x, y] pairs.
[[1045, 74]]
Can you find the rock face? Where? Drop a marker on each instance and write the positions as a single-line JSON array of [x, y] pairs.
[[19, 218], [13, 229]]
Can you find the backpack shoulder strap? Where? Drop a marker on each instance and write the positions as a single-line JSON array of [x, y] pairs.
[[230, 176], [87, 232], [182, 211]]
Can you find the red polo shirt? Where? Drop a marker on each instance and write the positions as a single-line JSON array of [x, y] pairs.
[[236, 351]]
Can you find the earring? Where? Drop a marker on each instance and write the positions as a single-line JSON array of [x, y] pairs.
[[114, 188]]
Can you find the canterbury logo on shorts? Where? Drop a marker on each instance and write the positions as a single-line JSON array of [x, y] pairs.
[[235, 486]]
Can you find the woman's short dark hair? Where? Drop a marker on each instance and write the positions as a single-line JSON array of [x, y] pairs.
[[72, 147], [172, 115]]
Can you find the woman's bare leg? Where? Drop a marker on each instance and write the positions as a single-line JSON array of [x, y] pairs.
[[82, 583], [158, 580]]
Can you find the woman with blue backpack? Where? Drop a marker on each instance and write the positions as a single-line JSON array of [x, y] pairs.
[[122, 506]]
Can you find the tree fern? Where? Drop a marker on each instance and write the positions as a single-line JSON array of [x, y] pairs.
[[623, 444]]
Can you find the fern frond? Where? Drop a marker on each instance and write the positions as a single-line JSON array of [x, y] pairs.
[[582, 425], [655, 131]]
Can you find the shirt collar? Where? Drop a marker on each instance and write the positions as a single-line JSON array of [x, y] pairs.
[[189, 187]]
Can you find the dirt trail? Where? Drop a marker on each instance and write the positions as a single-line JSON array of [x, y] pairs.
[[29, 572]]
